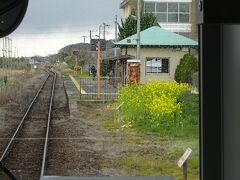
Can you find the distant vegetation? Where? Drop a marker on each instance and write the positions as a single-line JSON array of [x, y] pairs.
[[83, 58], [16, 63]]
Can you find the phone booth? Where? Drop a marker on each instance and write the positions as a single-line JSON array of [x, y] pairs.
[[219, 44]]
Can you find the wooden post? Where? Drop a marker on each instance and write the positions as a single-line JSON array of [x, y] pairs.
[[183, 162], [76, 65], [185, 167], [80, 88], [120, 125], [120, 138], [99, 68]]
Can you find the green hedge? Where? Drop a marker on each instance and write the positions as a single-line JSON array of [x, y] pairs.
[[185, 70]]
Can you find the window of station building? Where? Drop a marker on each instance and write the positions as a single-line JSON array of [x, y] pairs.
[[169, 12], [157, 65]]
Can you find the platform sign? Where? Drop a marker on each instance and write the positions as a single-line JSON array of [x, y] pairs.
[[94, 44], [184, 157]]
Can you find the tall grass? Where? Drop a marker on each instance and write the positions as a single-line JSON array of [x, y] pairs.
[[9, 91]]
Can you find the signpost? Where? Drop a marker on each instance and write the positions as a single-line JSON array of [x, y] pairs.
[[183, 162]]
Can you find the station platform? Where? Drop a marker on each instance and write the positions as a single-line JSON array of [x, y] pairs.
[[107, 178]]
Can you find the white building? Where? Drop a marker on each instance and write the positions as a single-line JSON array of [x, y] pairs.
[[174, 15]]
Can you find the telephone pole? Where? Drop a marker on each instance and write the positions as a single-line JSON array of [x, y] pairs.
[[104, 30], [8, 39], [6, 46], [116, 31], [84, 38], [90, 31], [138, 29], [100, 32], [10, 47], [15, 52], [99, 69], [3, 47]]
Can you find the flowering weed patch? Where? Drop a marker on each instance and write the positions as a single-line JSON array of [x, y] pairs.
[[156, 106]]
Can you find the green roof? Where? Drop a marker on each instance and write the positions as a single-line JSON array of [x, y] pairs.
[[156, 36]]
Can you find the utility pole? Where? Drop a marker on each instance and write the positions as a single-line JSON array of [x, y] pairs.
[[10, 47], [116, 31], [3, 47], [6, 46], [8, 39], [100, 31], [104, 29], [84, 38], [15, 52], [90, 31], [99, 69], [138, 29]]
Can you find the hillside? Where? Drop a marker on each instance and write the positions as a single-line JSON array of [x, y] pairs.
[[85, 55]]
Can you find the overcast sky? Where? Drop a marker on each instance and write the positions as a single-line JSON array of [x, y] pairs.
[[51, 24]]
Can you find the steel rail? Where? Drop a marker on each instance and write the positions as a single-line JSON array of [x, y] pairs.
[[23, 119], [48, 125]]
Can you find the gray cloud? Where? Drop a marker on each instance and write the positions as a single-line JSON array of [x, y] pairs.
[[45, 15], [52, 24]]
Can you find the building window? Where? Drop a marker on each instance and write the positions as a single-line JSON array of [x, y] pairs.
[[170, 12], [172, 7], [161, 17], [150, 7], [184, 12], [157, 65], [161, 7]]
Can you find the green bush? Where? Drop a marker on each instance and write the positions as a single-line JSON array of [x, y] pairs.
[[70, 61], [187, 67], [155, 106]]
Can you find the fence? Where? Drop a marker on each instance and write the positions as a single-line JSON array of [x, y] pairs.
[[108, 88]]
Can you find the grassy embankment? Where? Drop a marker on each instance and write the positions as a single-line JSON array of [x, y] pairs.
[[70, 63], [153, 140]]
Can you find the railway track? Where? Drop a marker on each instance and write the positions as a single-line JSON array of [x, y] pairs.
[[25, 154]]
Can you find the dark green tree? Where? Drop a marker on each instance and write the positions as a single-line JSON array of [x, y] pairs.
[[185, 70], [129, 26]]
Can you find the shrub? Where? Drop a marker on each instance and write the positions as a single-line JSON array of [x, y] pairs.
[[69, 60], [187, 67], [154, 106]]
